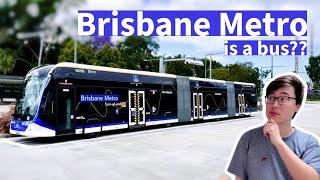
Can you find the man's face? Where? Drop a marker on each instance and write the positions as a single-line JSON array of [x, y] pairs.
[[281, 110]]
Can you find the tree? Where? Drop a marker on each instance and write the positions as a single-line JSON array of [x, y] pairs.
[[21, 16], [215, 65], [108, 56], [152, 66], [179, 68], [243, 72], [134, 49], [316, 86], [7, 61], [32, 16], [264, 74], [313, 69], [98, 42], [85, 53]]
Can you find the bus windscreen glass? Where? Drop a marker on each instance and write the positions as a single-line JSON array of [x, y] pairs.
[[27, 103]]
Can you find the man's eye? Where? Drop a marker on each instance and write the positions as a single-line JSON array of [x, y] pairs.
[[283, 98]]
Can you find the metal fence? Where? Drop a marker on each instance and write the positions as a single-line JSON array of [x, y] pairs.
[[10, 88]]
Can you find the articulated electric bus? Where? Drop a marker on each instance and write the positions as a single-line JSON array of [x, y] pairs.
[[69, 98]]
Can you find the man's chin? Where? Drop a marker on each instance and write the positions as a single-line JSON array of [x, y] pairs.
[[277, 120]]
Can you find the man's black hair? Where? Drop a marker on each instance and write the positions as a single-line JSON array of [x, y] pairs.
[[287, 80]]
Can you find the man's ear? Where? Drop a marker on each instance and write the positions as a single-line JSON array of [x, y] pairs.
[[298, 107]]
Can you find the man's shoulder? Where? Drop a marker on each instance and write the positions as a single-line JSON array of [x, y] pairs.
[[253, 133], [307, 136]]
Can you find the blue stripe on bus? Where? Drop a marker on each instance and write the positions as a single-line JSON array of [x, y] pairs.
[[19, 125], [42, 124]]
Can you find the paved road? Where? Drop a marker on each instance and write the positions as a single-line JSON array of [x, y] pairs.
[[198, 151]]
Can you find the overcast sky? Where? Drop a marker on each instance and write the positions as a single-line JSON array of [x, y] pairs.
[[200, 46]]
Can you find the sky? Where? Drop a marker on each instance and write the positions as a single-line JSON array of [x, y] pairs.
[[195, 46]]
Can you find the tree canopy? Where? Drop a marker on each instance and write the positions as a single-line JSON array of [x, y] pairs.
[[135, 49], [7, 60], [243, 72], [110, 57], [313, 69], [85, 53], [21, 16]]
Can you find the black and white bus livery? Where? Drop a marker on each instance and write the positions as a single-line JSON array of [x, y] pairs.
[[69, 98]]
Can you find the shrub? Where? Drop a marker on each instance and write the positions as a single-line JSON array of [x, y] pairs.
[[5, 121], [314, 97]]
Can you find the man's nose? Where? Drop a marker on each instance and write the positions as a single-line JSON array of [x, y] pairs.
[[275, 103]]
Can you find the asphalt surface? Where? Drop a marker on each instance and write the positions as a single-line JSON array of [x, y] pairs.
[[197, 151]]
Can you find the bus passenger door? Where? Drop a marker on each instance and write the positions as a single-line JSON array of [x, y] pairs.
[[136, 108], [241, 104], [197, 106], [65, 111]]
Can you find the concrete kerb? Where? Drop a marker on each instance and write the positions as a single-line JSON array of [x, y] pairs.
[[312, 102]]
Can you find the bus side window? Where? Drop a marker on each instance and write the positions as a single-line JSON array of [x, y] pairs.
[[46, 108]]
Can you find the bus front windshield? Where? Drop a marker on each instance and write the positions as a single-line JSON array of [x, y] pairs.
[[27, 103]]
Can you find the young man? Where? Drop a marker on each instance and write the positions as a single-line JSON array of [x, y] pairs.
[[277, 150]]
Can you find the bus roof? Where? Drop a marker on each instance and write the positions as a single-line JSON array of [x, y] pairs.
[[109, 69], [220, 81], [40, 71], [128, 71], [207, 80], [244, 83]]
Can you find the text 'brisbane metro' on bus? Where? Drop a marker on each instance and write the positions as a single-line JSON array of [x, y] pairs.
[[69, 98]]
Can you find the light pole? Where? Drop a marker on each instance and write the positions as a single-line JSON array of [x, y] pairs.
[[194, 61], [271, 66], [210, 59], [261, 78], [162, 67], [163, 61], [39, 34], [75, 48]]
